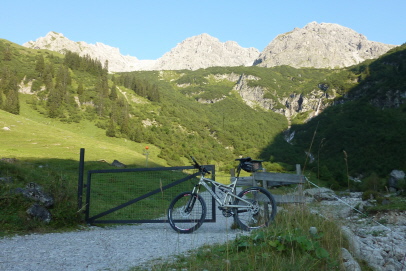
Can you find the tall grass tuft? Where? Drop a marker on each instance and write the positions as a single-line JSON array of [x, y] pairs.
[[62, 186]]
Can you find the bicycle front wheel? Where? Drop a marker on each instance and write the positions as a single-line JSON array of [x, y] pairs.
[[258, 208], [187, 212]]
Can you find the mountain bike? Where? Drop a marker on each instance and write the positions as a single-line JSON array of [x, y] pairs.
[[252, 208]]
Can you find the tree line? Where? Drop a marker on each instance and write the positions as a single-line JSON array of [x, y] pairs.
[[9, 100], [140, 86]]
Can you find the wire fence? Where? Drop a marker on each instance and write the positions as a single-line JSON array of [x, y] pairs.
[[138, 195]]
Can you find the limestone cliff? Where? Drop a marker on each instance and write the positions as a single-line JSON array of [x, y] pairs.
[[289, 105], [323, 45], [117, 62], [205, 51]]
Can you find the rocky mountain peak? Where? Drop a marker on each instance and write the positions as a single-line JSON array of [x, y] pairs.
[[117, 62], [204, 51], [193, 53], [320, 45]]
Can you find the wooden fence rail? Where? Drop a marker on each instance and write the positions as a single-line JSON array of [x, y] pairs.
[[272, 179]]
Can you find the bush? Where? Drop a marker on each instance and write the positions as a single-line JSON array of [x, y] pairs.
[[36, 85], [372, 195], [273, 167], [402, 187], [373, 182]]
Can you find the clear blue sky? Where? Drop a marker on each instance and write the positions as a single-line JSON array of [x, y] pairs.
[[147, 29]]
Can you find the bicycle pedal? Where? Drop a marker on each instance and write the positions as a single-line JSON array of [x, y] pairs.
[[227, 212]]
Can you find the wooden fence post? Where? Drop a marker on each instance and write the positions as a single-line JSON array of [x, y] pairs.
[[300, 186], [264, 182]]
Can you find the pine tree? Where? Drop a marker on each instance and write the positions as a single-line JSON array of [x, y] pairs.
[[9, 87], [54, 103], [113, 94], [58, 94], [125, 119], [104, 85], [40, 65], [63, 80], [111, 129], [136, 132], [49, 84], [80, 89], [103, 92], [1, 98], [106, 66], [48, 72], [12, 102]]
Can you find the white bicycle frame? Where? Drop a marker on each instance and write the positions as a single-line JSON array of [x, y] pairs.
[[228, 190]]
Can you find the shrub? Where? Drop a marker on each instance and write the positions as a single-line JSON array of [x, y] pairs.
[[372, 195], [373, 182], [402, 187]]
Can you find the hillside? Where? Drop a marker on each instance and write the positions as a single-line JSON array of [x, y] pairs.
[[145, 107], [30, 136], [362, 134], [218, 113]]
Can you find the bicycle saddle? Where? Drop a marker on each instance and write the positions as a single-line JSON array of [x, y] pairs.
[[245, 159]]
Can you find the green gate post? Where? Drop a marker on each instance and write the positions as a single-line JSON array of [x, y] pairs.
[[80, 178]]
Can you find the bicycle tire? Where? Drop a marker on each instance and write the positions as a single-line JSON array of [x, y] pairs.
[[191, 220], [258, 217]]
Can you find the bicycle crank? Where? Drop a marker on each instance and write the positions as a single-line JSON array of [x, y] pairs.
[[226, 212]]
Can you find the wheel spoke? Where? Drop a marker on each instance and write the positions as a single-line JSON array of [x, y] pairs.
[[186, 212], [260, 211]]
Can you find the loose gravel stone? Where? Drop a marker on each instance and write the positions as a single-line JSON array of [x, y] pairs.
[[111, 248]]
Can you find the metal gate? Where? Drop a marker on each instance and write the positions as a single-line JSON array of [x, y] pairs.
[[138, 195]]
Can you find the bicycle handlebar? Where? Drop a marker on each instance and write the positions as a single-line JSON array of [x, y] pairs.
[[247, 159], [201, 168]]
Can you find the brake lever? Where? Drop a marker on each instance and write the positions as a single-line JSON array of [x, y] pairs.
[[201, 168]]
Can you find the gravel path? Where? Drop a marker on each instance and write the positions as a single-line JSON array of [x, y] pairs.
[[112, 248]]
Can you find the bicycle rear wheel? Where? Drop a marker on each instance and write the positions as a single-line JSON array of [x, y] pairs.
[[260, 214], [186, 212]]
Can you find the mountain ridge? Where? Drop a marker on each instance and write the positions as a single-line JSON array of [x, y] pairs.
[[318, 45]]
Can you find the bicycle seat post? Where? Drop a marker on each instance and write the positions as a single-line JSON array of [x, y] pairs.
[[239, 169]]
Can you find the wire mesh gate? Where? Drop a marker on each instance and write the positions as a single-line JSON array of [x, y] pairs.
[[140, 195]]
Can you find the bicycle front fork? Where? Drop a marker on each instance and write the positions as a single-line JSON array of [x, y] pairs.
[[193, 198]]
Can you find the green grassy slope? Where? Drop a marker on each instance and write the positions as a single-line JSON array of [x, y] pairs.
[[33, 136], [47, 153]]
